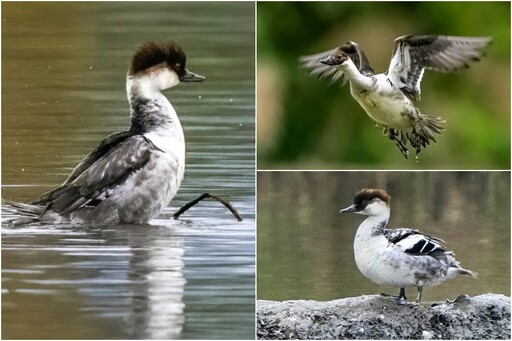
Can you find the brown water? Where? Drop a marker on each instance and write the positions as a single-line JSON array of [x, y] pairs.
[[63, 90], [305, 245]]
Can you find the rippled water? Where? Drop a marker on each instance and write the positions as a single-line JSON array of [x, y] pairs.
[[62, 92]]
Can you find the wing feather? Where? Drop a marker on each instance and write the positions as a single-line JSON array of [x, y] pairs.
[[100, 175], [414, 242], [413, 54], [106, 145]]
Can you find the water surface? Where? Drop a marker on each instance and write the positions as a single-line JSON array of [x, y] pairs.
[[63, 90]]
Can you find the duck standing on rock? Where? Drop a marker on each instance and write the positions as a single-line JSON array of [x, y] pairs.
[[399, 257]]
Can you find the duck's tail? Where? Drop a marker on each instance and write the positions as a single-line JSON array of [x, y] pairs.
[[454, 268], [454, 271], [425, 126], [17, 213], [424, 129]]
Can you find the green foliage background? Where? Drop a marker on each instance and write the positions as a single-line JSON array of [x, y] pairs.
[[304, 123]]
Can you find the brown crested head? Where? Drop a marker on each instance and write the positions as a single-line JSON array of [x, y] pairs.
[[367, 195], [151, 54]]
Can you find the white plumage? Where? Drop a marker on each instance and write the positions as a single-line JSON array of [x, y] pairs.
[[132, 174], [400, 257], [390, 98]]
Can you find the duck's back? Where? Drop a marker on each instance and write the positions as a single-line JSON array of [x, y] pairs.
[[127, 179]]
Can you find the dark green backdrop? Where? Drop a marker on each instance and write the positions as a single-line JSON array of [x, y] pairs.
[[304, 123]]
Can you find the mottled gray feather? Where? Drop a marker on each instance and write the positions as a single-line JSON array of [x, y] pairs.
[[112, 168]]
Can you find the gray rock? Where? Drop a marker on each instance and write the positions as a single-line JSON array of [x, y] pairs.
[[377, 317]]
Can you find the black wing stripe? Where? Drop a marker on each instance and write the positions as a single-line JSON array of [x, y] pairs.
[[425, 246], [422, 247]]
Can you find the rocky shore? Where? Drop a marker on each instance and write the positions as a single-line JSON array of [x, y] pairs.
[[376, 317]]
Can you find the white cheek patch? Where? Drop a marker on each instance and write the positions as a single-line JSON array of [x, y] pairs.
[[376, 208], [165, 79]]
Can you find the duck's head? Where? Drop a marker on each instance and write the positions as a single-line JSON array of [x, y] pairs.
[[161, 66], [371, 202], [336, 58]]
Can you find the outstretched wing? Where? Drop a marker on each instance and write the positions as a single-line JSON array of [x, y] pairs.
[[353, 50], [413, 54], [98, 175]]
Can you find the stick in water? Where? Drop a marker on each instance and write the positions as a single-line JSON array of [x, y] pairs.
[[203, 196]]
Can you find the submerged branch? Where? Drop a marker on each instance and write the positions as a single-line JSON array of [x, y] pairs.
[[203, 196]]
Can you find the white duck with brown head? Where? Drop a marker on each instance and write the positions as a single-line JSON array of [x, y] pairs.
[[132, 174], [399, 257]]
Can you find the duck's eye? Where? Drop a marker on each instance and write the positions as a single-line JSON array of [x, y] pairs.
[[177, 66]]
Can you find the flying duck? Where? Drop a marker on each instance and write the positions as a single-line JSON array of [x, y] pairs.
[[390, 98]]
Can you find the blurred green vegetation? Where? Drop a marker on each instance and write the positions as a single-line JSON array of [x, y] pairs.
[[304, 123]]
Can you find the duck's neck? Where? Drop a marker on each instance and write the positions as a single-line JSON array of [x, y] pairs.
[[149, 108], [373, 226], [354, 76]]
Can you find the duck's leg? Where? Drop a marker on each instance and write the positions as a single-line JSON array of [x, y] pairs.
[[401, 295], [397, 137], [400, 299], [420, 290]]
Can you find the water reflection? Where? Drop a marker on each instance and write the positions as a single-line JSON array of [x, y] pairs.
[[156, 273], [187, 279], [121, 273]]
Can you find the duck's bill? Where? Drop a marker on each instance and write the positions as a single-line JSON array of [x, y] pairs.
[[335, 59], [191, 77], [328, 60], [350, 209]]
